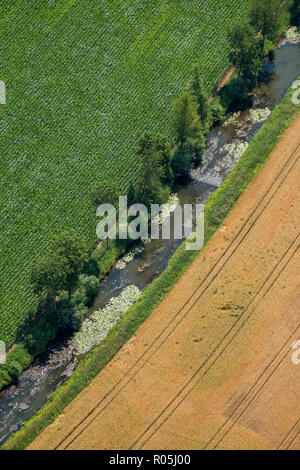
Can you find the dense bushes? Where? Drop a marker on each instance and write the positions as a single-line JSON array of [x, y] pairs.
[[294, 8], [234, 95], [104, 259]]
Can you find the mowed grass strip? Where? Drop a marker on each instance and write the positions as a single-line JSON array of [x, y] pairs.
[[216, 210], [84, 79]]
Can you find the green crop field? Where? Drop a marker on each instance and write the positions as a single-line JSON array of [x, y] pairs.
[[84, 79]]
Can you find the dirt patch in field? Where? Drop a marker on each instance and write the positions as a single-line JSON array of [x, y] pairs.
[[211, 367], [222, 83]]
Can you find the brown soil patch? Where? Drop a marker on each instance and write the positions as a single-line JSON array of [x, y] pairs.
[[222, 83], [211, 367]]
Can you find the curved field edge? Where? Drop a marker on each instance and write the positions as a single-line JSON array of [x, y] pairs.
[[216, 210], [84, 80]]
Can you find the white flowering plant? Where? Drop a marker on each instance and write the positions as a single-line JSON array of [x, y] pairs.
[[259, 114], [95, 328], [293, 34], [236, 150]]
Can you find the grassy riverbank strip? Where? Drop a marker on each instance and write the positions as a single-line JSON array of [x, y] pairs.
[[216, 210]]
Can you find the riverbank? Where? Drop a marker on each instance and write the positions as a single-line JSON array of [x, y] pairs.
[[217, 208]]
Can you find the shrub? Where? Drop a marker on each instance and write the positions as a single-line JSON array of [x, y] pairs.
[[64, 313], [197, 142], [91, 268], [234, 94], [182, 160], [79, 296], [91, 285], [78, 315], [216, 111]]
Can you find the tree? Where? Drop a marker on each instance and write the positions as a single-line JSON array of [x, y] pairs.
[[266, 16], [185, 113], [200, 96], [106, 192], [70, 246], [131, 195], [165, 157], [49, 276], [160, 148], [78, 316], [189, 153], [152, 170], [183, 160], [294, 9], [216, 110], [196, 143], [91, 287], [235, 92], [251, 66], [240, 38]]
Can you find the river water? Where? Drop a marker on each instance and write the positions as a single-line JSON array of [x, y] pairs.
[[225, 145]]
